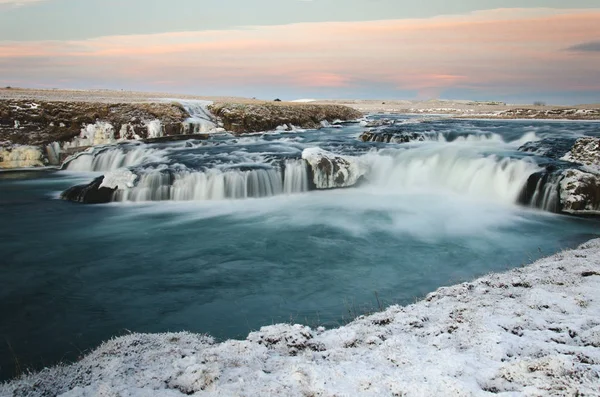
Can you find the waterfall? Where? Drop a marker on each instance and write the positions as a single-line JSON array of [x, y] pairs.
[[200, 120], [295, 179], [215, 184], [448, 168], [112, 158]]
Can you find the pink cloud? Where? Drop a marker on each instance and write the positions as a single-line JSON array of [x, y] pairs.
[[509, 48]]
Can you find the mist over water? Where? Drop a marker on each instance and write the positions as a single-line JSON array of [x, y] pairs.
[[174, 257]]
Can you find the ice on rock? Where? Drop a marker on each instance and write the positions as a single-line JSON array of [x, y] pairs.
[[20, 156], [119, 179]]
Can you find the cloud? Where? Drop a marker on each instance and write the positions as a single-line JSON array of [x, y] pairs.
[[590, 46], [499, 52]]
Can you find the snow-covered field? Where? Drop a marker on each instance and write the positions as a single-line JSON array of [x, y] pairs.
[[532, 331]]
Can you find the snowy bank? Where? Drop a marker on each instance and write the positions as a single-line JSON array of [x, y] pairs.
[[529, 331]]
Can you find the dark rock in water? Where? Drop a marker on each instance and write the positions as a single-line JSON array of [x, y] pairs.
[[585, 151], [175, 138], [391, 137], [91, 193]]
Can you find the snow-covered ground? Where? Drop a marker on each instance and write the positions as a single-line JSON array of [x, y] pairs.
[[532, 331]]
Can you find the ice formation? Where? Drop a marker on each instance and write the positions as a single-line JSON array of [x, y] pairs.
[[530, 331], [20, 156], [119, 179], [99, 133]]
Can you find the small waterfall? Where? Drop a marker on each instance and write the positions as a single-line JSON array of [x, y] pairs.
[[215, 184], [547, 193], [112, 158], [200, 120], [295, 179]]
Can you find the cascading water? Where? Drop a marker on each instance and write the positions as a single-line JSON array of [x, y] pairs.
[[460, 171], [215, 184], [200, 120], [112, 158], [546, 195]]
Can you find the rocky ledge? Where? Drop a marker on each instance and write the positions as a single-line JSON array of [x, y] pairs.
[[558, 113], [254, 117], [35, 133]]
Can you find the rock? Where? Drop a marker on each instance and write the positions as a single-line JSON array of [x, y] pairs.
[[92, 193], [585, 151], [580, 192], [391, 137], [41, 122], [330, 171], [556, 113], [255, 117], [570, 191]]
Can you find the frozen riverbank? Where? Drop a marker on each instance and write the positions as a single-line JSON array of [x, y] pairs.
[[530, 331]]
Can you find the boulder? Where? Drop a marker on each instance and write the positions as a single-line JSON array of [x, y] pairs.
[[330, 171], [585, 151], [92, 193], [580, 192]]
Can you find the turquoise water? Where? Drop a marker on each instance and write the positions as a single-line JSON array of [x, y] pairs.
[[74, 275]]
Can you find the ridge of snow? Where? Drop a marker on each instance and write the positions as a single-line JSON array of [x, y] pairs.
[[529, 331]]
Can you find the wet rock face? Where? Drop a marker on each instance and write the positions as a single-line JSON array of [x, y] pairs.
[[256, 117], [39, 123], [585, 151], [92, 193]]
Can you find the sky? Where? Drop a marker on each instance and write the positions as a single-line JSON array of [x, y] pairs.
[[513, 51]]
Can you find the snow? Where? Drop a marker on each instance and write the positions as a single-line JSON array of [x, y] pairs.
[[531, 331], [119, 179]]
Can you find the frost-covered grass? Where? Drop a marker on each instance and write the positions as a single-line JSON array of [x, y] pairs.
[[532, 331]]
